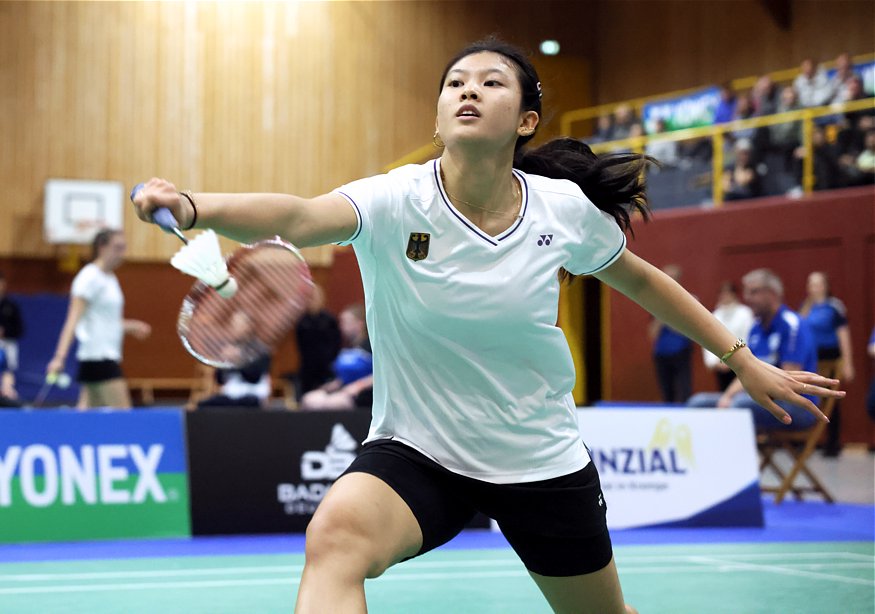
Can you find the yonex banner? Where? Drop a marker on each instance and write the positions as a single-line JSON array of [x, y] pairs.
[[690, 111], [67, 475], [673, 467]]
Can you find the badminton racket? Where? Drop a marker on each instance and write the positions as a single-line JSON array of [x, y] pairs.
[[272, 289]]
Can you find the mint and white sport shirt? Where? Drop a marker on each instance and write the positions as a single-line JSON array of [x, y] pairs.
[[469, 365]]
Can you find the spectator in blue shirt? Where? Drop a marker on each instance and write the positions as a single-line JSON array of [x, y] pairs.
[[827, 318], [671, 355], [779, 337], [725, 109]]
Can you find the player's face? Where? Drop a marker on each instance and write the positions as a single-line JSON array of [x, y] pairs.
[[113, 253], [816, 286], [760, 298], [480, 101]]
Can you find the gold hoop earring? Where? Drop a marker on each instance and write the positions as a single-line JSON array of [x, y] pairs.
[[436, 140]]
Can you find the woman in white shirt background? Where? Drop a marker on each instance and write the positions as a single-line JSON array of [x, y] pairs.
[[95, 319], [738, 318]]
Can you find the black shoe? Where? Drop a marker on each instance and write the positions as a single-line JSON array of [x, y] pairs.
[[832, 452]]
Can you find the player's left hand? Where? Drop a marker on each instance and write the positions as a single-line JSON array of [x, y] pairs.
[[767, 384]]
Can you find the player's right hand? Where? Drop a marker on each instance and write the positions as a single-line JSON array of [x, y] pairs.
[[55, 366], [157, 193]]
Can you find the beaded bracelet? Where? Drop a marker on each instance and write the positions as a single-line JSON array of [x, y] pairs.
[[735, 347], [190, 198]]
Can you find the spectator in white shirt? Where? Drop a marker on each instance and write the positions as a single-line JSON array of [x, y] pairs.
[[738, 318]]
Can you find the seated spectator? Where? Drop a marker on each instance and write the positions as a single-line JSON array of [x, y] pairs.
[[318, 337], [11, 326], [827, 172], [725, 109], [742, 180], [743, 110], [865, 162], [604, 130], [854, 91], [764, 96], [624, 119], [738, 318], [851, 143], [779, 337], [788, 133], [812, 84], [666, 152], [8, 394], [844, 73], [352, 386], [248, 386]]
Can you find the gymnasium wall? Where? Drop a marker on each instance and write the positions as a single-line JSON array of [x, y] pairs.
[[644, 48], [293, 97], [833, 232]]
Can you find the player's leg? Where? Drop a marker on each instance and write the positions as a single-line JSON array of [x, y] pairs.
[[113, 393], [391, 504], [84, 401], [558, 528], [360, 529], [598, 592]]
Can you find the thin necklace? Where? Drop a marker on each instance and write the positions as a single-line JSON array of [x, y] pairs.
[[517, 199]]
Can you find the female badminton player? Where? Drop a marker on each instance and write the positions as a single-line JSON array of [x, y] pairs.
[[95, 317], [461, 260]]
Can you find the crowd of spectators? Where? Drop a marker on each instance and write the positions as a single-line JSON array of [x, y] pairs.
[[754, 157]]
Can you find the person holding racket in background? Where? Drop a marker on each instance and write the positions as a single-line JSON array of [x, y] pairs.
[[95, 318], [461, 260]]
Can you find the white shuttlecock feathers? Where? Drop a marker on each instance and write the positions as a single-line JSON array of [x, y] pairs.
[[202, 258]]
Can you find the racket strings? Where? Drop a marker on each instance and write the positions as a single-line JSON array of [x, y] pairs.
[[274, 290]]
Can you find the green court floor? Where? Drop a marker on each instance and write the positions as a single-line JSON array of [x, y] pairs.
[[767, 578]]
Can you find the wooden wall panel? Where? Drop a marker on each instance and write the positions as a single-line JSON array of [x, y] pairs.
[[645, 47], [229, 96]]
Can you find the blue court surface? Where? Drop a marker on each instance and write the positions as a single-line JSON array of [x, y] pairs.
[[811, 558]]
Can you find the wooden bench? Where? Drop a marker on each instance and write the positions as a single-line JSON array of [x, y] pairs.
[[199, 388]]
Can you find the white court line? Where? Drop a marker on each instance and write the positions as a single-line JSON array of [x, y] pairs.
[[724, 565], [708, 566], [85, 588], [210, 571], [623, 563]]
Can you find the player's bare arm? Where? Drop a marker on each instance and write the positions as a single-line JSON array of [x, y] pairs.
[[250, 217]]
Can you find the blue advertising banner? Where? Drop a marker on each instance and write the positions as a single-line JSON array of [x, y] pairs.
[[690, 111]]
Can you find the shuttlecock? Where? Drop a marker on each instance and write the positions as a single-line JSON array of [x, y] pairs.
[[202, 258], [61, 380]]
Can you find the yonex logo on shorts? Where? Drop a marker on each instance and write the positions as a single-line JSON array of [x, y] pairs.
[[545, 239]]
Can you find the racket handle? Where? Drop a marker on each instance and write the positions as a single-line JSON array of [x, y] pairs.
[[162, 216]]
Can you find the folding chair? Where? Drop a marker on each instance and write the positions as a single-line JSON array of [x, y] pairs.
[[800, 445]]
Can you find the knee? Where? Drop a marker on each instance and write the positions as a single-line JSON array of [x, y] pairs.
[[337, 539]]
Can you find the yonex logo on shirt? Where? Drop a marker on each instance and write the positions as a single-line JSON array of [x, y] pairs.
[[545, 239]]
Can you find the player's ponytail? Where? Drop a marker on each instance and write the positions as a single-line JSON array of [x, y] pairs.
[[613, 182]]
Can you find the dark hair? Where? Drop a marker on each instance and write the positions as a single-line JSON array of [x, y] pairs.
[[102, 238], [613, 182]]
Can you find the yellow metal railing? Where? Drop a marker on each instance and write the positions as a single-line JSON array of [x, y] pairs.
[[567, 120], [716, 132]]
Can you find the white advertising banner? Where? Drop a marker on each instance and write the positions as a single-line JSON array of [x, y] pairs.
[[675, 467]]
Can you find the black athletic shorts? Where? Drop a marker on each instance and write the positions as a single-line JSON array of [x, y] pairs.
[[556, 526], [96, 371]]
